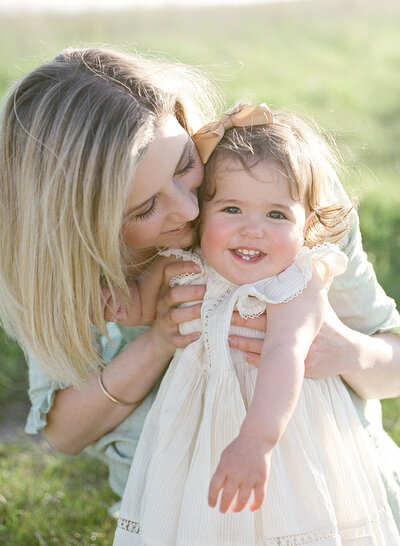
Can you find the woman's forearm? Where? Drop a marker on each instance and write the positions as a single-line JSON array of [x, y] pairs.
[[374, 365], [78, 417]]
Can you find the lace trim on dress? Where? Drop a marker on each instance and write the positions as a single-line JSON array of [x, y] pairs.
[[301, 539], [206, 311], [327, 253], [128, 525], [253, 298], [186, 257], [245, 307]]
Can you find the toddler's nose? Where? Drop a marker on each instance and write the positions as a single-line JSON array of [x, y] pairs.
[[253, 230]]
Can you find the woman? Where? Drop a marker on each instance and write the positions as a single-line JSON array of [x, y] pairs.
[[97, 171]]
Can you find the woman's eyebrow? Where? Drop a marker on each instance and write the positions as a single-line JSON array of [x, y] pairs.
[[185, 149]]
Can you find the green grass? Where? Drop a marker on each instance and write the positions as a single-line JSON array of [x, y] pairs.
[[48, 498], [336, 61]]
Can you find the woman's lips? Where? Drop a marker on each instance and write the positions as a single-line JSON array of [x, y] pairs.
[[181, 229]]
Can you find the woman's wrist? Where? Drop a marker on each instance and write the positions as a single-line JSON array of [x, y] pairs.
[[128, 377], [159, 344], [112, 398], [132, 374]]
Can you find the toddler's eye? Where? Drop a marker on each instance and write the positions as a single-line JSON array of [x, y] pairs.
[[276, 215], [231, 210]]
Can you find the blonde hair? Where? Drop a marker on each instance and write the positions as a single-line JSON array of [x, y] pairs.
[[71, 136], [309, 159]]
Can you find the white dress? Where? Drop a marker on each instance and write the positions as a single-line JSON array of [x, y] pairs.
[[324, 488]]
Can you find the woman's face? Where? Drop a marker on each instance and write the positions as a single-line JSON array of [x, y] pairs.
[[163, 199]]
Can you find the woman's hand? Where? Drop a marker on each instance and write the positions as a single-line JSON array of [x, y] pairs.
[[171, 309], [327, 356], [332, 350], [151, 299], [250, 346]]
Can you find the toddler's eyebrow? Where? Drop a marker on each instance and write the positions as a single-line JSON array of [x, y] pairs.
[[222, 201], [281, 206]]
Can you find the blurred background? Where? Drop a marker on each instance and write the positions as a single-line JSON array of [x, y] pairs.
[[337, 61]]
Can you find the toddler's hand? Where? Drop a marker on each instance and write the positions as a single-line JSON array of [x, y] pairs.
[[243, 467]]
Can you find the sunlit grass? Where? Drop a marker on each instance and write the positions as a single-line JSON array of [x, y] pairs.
[[336, 61], [49, 498]]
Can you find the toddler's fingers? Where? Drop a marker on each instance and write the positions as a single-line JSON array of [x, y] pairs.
[[216, 484], [242, 498], [259, 495], [228, 494]]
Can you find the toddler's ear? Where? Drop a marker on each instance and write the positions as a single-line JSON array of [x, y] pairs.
[[324, 272], [308, 221]]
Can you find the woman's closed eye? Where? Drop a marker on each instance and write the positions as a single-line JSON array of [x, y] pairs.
[[151, 209], [190, 163]]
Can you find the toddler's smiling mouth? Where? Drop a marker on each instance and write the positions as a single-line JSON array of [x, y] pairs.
[[248, 255]]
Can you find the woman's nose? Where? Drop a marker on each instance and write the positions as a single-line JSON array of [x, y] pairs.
[[185, 206]]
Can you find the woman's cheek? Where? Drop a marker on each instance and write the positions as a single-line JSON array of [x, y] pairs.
[[139, 235]]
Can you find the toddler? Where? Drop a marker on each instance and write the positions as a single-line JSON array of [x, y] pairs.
[[218, 426]]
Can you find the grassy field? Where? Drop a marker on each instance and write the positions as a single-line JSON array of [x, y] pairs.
[[334, 60]]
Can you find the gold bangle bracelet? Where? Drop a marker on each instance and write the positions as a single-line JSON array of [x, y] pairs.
[[110, 397]]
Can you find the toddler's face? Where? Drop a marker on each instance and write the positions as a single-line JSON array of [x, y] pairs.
[[252, 228]]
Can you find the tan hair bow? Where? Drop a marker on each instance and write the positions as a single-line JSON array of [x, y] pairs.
[[242, 115]]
